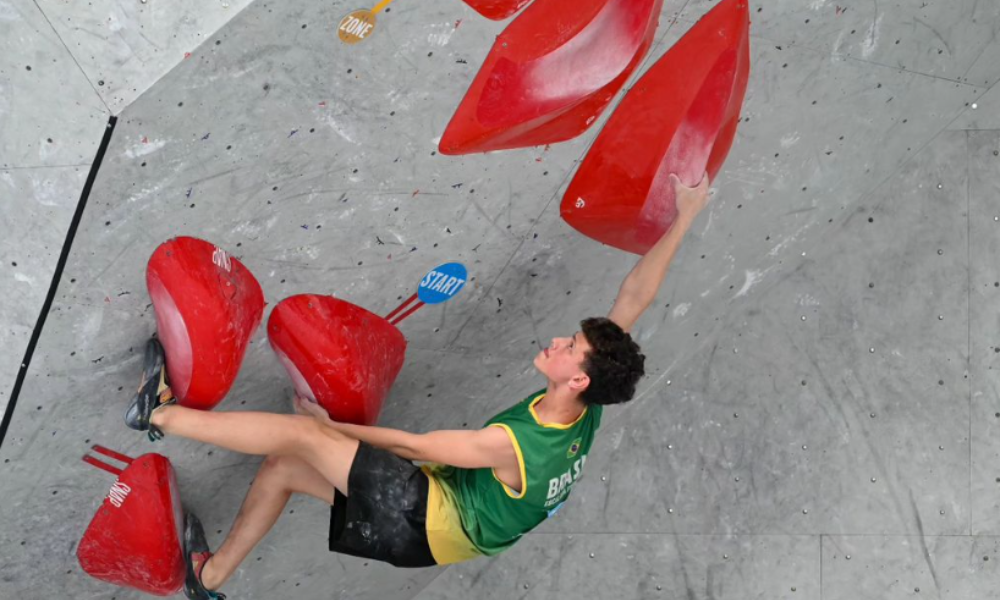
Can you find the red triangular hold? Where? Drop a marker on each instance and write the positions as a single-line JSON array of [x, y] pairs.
[[551, 73], [338, 354], [680, 117], [208, 306], [498, 10], [134, 539]]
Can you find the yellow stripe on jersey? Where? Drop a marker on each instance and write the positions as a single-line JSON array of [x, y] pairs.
[[520, 463], [531, 409], [445, 535]]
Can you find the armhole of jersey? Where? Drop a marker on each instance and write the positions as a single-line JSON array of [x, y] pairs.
[[520, 463]]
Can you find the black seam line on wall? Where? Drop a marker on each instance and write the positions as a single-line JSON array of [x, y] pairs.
[[968, 349], [56, 277]]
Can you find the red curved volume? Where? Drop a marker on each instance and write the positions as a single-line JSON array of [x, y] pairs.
[[498, 10], [551, 73], [134, 539], [337, 354], [207, 307], [680, 117]]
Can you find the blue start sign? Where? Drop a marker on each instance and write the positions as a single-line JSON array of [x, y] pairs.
[[441, 284]]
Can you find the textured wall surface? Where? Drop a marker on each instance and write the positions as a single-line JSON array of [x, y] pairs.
[[64, 69], [820, 414]]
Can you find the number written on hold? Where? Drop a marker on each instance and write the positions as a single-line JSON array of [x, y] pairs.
[[221, 260], [119, 491]]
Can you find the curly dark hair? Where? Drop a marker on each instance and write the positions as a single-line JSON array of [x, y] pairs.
[[614, 363]]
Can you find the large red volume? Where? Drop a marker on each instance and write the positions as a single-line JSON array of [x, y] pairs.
[[208, 306], [498, 10], [134, 539], [551, 73], [680, 118], [337, 354]]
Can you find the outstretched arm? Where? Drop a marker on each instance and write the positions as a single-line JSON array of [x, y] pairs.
[[639, 289], [482, 448]]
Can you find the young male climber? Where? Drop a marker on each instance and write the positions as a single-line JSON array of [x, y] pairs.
[[478, 492]]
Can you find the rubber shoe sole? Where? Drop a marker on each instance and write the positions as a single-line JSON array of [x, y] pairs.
[[194, 542], [153, 392]]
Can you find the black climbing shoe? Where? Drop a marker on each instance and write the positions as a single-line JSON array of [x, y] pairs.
[[153, 393], [196, 554]]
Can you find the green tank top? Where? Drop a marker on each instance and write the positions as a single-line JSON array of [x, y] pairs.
[[551, 456]]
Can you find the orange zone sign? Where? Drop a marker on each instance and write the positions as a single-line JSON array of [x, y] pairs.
[[357, 26]]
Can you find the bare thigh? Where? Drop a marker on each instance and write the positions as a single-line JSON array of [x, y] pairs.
[[299, 477], [328, 452]]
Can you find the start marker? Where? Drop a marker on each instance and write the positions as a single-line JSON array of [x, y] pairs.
[[442, 283], [439, 285]]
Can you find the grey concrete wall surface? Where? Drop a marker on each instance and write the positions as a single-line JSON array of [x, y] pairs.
[[819, 419], [64, 69]]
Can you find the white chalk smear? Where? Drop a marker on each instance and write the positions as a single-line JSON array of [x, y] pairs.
[[617, 441], [752, 279], [141, 149], [339, 129], [807, 300], [790, 140], [442, 34], [870, 43], [48, 193]]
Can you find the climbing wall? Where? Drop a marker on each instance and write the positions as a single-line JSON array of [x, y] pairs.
[[819, 415]]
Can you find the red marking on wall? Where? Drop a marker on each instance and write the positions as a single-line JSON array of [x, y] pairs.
[[415, 192]]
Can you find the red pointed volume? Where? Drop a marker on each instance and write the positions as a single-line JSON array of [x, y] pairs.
[[681, 118], [208, 306], [134, 539], [498, 10], [551, 73], [338, 354]]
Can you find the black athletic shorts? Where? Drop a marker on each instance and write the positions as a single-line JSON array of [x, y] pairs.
[[385, 516]]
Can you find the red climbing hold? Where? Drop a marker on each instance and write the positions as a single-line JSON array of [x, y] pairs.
[[551, 73], [134, 539], [208, 305], [498, 10], [337, 354], [680, 117]]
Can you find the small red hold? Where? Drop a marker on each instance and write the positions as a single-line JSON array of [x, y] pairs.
[[539, 159], [145, 140], [107, 300], [457, 23], [841, 10], [415, 192], [323, 103], [187, 55]]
